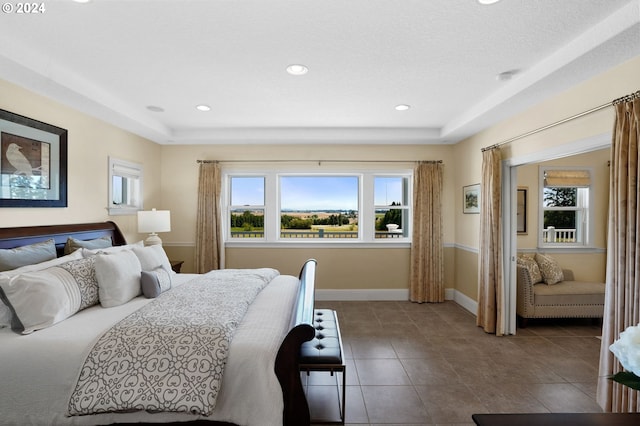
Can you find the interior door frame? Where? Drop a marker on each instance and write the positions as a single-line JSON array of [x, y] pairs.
[[509, 210]]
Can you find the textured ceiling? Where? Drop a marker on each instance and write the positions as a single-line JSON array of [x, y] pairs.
[[113, 59]]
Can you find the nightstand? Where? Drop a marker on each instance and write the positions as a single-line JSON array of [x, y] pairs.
[[176, 265]]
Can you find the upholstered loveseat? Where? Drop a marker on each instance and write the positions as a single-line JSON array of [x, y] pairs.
[[547, 291]]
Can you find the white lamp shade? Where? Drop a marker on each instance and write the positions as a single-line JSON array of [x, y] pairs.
[[154, 221]]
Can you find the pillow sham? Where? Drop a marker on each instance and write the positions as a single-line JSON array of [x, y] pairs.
[[550, 269], [73, 244], [118, 277], [40, 299], [152, 257], [44, 265], [5, 315], [155, 282], [5, 312], [27, 255], [113, 249]]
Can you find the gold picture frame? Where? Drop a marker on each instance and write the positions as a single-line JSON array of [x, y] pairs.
[[471, 199]]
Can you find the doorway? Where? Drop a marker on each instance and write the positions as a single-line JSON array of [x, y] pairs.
[[510, 206]]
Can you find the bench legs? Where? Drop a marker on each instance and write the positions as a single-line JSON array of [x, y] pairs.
[[324, 353], [341, 387]]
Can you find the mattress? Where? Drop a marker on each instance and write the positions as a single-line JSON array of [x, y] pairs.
[[39, 371]]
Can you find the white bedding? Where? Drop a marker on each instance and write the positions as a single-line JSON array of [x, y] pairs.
[[38, 371]]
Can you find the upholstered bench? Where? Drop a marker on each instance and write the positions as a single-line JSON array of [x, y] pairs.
[[566, 299], [324, 352]]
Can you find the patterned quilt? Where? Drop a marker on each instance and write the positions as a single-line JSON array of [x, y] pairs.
[[169, 355]]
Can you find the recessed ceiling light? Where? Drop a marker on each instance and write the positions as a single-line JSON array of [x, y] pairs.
[[82, 1], [155, 108], [488, 1], [297, 69], [506, 75], [203, 107], [402, 107]]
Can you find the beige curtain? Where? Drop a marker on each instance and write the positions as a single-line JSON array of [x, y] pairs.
[[209, 249], [490, 277], [427, 259], [622, 297]]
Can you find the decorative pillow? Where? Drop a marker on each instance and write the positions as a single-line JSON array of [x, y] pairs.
[[155, 282], [114, 249], [118, 277], [98, 243], [550, 269], [40, 299], [5, 312], [152, 257], [532, 267], [27, 255]]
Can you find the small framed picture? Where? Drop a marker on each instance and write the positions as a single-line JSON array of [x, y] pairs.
[[471, 199], [522, 210]]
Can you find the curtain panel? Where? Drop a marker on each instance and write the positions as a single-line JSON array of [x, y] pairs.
[[622, 297], [490, 273], [209, 246], [427, 258]]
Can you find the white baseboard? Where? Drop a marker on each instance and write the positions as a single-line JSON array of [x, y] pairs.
[[465, 301], [391, 294]]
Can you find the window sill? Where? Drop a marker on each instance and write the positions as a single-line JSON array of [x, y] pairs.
[[570, 249], [122, 211], [318, 244]]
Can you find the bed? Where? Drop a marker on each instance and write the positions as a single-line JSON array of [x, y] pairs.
[[50, 371]]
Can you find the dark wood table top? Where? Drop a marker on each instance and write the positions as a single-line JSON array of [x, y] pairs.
[[558, 419]]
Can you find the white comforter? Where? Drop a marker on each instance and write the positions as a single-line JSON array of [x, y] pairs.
[[38, 371]]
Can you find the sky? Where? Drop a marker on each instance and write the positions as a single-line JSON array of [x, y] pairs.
[[309, 193]]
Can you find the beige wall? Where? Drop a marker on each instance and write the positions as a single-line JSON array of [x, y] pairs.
[[344, 268], [614, 83], [586, 266], [171, 180], [90, 143]]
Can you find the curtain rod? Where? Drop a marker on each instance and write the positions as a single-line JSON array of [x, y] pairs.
[[317, 161], [557, 123]]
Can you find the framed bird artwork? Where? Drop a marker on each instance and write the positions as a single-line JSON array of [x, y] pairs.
[[33, 162]]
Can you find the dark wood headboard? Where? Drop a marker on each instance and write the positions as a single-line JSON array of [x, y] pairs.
[[24, 235]]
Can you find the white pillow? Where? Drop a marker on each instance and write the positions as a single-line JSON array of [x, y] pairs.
[[40, 299], [113, 249], [5, 312], [118, 277], [152, 257]]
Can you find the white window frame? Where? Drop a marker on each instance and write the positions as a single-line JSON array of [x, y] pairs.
[[584, 215], [134, 173], [366, 208]]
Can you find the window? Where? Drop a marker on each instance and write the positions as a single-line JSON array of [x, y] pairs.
[[391, 203], [125, 187], [318, 207], [246, 213], [564, 206]]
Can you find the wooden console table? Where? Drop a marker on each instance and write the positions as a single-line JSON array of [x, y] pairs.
[[558, 419]]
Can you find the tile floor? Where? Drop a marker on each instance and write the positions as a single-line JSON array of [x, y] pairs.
[[428, 364]]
